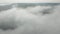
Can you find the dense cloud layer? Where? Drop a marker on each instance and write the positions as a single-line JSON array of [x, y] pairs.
[[30, 20]]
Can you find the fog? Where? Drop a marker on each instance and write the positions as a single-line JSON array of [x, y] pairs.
[[30, 20]]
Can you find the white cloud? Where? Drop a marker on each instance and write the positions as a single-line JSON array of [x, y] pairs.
[[39, 9], [30, 23]]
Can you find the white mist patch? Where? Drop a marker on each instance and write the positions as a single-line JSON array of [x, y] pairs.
[[28, 23], [7, 19], [39, 10]]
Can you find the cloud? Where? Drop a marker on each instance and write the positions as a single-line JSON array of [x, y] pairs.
[[40, 10], [29, 23]]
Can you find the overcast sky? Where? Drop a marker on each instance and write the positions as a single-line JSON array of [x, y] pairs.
[[29, 1]]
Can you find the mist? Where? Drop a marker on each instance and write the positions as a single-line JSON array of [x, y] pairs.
[[30, 20]]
